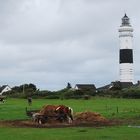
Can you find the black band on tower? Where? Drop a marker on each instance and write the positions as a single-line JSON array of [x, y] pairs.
[[126, 56]]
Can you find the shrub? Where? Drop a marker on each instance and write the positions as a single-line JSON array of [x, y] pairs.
[[86, 97]]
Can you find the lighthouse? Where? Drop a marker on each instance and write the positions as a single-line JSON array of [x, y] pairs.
[[126, 51]]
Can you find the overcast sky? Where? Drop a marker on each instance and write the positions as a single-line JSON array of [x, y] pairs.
[[52, 42]]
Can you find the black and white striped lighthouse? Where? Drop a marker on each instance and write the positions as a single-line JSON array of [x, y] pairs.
[[126, 51]]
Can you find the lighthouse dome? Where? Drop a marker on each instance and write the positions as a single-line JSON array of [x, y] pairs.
[[125, 21]]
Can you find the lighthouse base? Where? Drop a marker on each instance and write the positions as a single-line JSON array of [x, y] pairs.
[[126, 72]]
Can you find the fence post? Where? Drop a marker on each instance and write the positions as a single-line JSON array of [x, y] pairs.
[[117, 109], [106, 108]]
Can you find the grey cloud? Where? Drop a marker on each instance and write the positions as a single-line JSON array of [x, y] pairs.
[[52, 42]]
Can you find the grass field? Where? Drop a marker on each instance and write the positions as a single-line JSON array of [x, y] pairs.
[[108, 133], [14, 109], [110, 108]]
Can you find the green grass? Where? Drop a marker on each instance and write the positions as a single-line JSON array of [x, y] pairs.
[[127, 108], [107, 133], [14, 109]]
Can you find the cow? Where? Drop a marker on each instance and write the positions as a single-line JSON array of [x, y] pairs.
[[60, 112], [29, 101], [37, 117], [65, 113], [2, 99]]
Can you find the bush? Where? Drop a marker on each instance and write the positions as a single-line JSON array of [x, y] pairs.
[[87, 97], [52, 97], [124, 93]]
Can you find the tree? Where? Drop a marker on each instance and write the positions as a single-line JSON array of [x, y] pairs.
[[32, 86], [69, 85]]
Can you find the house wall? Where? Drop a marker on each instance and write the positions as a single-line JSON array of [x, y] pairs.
[[5, 90]]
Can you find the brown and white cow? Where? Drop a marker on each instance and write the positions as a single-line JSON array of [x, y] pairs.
[[61, 112]]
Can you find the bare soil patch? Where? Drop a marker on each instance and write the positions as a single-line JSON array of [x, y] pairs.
[[90, 119]]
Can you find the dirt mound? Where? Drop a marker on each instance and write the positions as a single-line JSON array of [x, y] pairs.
[[30, 124], [90, 117]]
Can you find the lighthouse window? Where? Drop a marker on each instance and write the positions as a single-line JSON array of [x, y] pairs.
[[126, 56]]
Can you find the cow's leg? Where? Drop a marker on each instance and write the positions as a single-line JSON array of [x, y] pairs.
[[39, 121]]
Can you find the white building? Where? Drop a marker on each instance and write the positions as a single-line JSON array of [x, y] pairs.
[[126, 51], [4, 88]]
